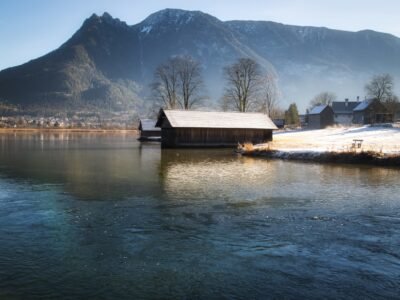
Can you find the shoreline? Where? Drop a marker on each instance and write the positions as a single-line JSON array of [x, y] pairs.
[[355, 158], [67, 130]]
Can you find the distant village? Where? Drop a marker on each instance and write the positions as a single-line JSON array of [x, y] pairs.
[[83, 120]]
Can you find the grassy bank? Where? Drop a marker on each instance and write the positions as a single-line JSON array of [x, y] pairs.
[[369, 157], [372, 145]]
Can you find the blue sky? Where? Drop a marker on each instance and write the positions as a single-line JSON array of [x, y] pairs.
[[31, 28]]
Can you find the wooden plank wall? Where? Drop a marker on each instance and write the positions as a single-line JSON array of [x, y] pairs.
[[212, 137], [150, 133]]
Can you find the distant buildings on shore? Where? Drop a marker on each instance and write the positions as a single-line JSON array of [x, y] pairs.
[[368, 111], [116, 121]]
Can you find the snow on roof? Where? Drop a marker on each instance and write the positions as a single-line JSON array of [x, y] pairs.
[[363, 105], [203, 119], [148, 125], [317, 109]]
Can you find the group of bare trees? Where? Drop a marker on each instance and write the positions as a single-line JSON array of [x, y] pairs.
[[178, 84]]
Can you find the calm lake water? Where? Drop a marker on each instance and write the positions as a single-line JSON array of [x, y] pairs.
[[96, 216]]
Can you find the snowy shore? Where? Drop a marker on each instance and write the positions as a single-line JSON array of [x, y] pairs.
[[376, 139], [378, 145]]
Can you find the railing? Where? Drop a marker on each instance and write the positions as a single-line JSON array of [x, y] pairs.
[[357, 143]]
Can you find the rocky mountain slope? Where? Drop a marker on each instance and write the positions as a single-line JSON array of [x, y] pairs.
[[311, 59]]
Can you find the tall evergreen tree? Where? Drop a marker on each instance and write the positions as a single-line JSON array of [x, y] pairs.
[[292, 115]]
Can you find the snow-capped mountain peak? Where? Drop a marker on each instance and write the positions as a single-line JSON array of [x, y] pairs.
[[171, 16]]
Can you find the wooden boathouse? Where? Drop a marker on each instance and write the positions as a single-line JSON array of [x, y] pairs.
[[182, 128], [148, 130]]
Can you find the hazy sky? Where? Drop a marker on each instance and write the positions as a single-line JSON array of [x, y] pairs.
[[31, 28]]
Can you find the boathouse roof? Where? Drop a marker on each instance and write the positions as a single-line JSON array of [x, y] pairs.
[[148, 125], [207, 119]]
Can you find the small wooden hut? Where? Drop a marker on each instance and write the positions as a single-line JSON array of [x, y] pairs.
[[148, 130], [180, 128], [320, 117]]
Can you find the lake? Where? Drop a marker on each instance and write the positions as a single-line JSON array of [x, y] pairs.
[[101, 216]]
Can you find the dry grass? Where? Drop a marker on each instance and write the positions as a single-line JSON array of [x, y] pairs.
[[249, 147]]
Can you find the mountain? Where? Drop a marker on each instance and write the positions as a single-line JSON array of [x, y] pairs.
[[108, 65], [171, 32], [90, 70]]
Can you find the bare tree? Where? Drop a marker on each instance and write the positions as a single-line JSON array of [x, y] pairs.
[[190, 81], [165, 86], [324, 98], [243, 82], [380, 87], [269, 95], [178, 82]]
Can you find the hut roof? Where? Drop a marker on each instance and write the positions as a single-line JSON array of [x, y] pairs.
[[318, 109], [148, 125], [344, 107], [203, 119]]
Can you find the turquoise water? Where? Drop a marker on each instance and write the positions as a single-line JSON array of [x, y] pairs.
[[97, 216]]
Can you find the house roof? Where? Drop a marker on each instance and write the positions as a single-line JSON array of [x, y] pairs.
[[148, 125], [318, 109], [363, 105], [203, 119], [344, 107]]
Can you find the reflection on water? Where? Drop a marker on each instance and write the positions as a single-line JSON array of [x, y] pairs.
[[90, 166], [102, 216], [212, 174]]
